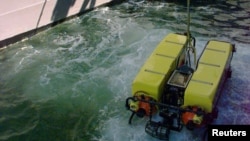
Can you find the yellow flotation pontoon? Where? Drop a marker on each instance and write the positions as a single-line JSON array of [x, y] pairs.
[[151, 78], [180, 94], [167, 56], [212, 70]]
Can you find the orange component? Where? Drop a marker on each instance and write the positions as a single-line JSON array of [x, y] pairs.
[[146, 106], [187, 116], [190, 116]]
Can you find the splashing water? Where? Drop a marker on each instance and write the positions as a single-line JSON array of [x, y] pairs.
[[71, 81]]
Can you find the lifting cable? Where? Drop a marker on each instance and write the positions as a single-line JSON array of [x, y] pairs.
[[189, 38]]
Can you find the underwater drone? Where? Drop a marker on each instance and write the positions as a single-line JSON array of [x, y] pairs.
[[178, 92]]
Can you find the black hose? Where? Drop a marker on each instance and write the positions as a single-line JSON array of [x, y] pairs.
[[131, 117]]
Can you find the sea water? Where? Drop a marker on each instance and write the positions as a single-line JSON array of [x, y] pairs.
[[70, 82]]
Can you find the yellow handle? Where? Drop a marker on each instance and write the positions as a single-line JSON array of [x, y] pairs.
[[134, 106]]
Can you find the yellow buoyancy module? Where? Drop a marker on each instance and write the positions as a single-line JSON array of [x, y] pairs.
[[205, 82], [158, 67]]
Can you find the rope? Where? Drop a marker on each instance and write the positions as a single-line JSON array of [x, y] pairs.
[[190, 45]]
